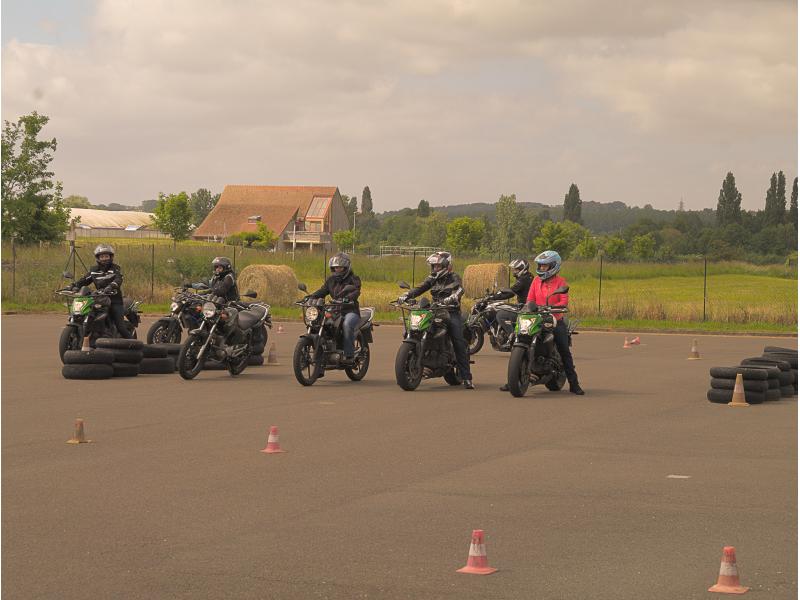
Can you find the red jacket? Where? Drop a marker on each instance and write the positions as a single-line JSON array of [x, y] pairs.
[[540, 290]]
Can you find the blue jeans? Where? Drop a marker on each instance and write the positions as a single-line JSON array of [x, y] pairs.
[[349, 333]]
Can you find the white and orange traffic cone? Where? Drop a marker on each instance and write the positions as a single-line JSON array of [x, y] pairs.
[[280, 328], [636, 341], [86, 347], [273, 445], [627, 344], [477, 563], [693, 353], [728, 580], [738, 398], [79, 437], [272, 355]]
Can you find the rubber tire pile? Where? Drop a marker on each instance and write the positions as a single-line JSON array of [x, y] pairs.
[[771, 376], [112, 357], [171, 351]]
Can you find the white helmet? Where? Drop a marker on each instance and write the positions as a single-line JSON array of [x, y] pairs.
[[442, 259], [548, 263]]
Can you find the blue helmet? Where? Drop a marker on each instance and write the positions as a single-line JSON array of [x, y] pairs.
[[548, 263]]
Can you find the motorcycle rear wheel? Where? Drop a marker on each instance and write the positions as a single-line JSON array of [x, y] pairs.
[[236, 367], [474, 337], [361, 364], [306, 362], [452, 377], [188, 364], [556, 384], [518, 375]]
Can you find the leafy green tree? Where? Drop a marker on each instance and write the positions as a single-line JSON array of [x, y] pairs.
[[344, 239], [561, 236], [366, 202], [149, 205], [772, 215], [32, 207], [465, 234], [780, 197], [350, 206], [173, 216], [434, 231], [729, 203], [243, 238], [586, 248], [508, 226], [266, 237], [643, 247], [423, 208], [201, 202], [793, 205], [77, 202], [615, 248], [572, 204]]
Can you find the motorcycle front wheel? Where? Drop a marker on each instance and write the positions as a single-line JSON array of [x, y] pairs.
[[518, 375], [361, 360], [406, 371], [474, 337], [189, 365], [164, 332], [305, 362], [70, 340]]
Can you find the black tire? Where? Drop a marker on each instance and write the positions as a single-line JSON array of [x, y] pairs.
[[122, 369], [151, 351], [725, 396], [361, 364], [92, 357], [188, 364], [474, 337], [164, 331], [519, 377], [453, 378], [255, 360], [69, 340], [260, 336], [119, 344], [730, 372], [790, 358], [157, 366], [774, 384], [87, 371], [257, 350], [406, 373], [555, 385], [787, 391], [772, 395], [306, 362], [133, 357], [770, 362], [172, 349], [750, 385], [780, 350], [237, 367]]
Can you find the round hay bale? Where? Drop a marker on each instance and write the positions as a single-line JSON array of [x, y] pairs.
[[479, 277], [275, 284]]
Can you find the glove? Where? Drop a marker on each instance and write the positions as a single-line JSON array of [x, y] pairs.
[[402, 298], [450, 300]]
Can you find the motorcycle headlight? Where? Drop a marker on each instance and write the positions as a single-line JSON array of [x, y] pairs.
[[415, 320], [312, 312], [77, 306], [173, 307], [525, 324], [209, 309]]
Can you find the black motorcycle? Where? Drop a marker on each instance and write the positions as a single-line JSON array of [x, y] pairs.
[[426, 350], [493, 318], [320, 348], [225, 334], [534, 357], [88, 317], [186, 312]]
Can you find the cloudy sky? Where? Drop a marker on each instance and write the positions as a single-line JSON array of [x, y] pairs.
[[448, 100]]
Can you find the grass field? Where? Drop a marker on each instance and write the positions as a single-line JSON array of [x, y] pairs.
[[740, 297]]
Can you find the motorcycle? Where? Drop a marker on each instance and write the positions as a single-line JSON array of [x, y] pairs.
[[493, 318], [320, 348], [534, 357], [225, 334], [426, 350], [88, 316], [186, 312]]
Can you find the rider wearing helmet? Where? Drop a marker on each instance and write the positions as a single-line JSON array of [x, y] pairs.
[[107, 278], [520, 268], [223, 283], [445, 287], [548, 264], [341, 276]]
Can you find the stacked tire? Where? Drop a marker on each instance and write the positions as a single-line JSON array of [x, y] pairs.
[[756, 384], [156, 361], [782, 369], [127, 354], [93, 364], [171, 350], [788, 355]]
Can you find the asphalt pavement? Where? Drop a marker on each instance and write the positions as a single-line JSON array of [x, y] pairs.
[[380, 489]]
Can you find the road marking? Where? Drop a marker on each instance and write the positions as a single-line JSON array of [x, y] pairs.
[[678, 476]]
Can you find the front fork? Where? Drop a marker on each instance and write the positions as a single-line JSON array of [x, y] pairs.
[[204, 347]]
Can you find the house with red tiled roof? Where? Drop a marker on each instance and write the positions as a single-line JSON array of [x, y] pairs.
[[303, 217]]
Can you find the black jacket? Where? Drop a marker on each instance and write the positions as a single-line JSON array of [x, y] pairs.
[[105, 279], [333, 287], [224, 285], [446, 286], [520, 289]]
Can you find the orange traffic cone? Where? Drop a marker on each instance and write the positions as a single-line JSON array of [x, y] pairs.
[[728, 580], [280, 328], [693, 353], [79, 437], [477, 563], [738, 398], [273, 445], [272, 355], [636, 341], [86, 346], [627, 344]]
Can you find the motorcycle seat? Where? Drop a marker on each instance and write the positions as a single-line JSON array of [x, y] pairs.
[[251, 315]]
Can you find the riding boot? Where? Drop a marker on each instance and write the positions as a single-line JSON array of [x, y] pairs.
[[574, 386]]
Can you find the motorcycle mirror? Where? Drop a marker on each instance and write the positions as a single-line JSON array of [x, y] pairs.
[[68, 275], [530, 307], [562, 290], [250, 294], [199, 286], [424, 303], [404, 285], [507, 290], [302, 287]]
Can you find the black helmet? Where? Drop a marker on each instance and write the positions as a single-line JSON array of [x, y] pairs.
[[340, 260], [519, 266], [104, 249], [221, 261], [443, 259]]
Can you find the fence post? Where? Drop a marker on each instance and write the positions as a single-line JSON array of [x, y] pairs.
[[234, 258], [600, 289], [324, 264], [413, 268], [13, 270], [152, 271], [508, 269], [705, 285]]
